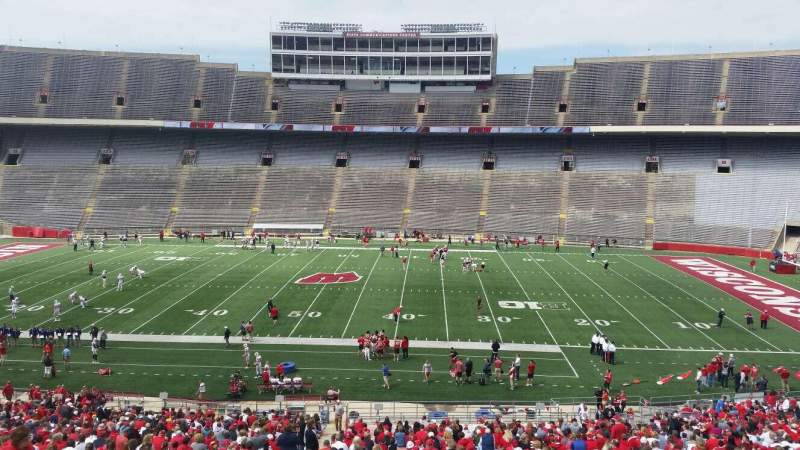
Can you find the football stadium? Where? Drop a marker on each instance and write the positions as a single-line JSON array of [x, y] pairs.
[[383, 228]]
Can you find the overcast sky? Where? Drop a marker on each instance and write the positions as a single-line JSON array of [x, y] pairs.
[[532, 32]]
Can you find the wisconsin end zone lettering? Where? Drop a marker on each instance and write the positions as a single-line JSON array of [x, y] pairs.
[[11, 250], [782, 302], [329, 278]]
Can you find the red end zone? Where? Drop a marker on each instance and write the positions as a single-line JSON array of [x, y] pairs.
[[782, 302], [9, 251]]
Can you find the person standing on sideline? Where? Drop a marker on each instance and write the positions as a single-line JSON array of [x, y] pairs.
[[607, 378], [612, 351], [764, 317], [752, 265], [531, 373], [495, 349], [386, 374], [748, 319], [66, 355], [95, 349], [720, 317], [201, 391], [227, 336]]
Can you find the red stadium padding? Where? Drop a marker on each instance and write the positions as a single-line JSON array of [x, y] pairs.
[[40, 232], [715, 249]]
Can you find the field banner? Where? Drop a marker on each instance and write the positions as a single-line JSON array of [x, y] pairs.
[[9, 251], [782, 302]]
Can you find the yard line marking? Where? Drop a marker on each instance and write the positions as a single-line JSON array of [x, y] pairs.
[[239, 367], [444, 302], [701, 301], [564, 291], [81, 284], [151, 291], [363, 288], [300, 320], [62, 275], [195, 290], [538, 314], [287, 283], [402, 292], [486, 296], [615, 301], [211, 311], [113, 289], [665, 306]]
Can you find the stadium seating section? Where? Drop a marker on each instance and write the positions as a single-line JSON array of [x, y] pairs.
[[608, 195], [59, 183], [759, 88]]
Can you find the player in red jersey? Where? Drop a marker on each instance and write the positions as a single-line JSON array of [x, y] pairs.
[[531, 372], [273, 314], [396, 313]]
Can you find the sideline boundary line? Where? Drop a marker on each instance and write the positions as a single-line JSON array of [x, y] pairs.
[[420, 344]]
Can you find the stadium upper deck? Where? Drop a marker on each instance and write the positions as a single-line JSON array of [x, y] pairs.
[[715, 89]]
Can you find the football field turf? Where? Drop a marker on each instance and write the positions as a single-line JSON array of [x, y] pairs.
[[167, 328]]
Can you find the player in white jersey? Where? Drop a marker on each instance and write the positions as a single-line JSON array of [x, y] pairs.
[[102, 242], [73, 298], [14, 307], [120, 281], [56, 310], [139, 240], [140, 273], [286, 242], [82, 301], [246, 354], [258, 364], [104, 276]]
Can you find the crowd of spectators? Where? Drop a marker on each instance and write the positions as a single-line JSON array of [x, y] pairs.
[[61, 420]]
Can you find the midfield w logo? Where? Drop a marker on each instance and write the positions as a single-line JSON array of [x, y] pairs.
[[329, 278]]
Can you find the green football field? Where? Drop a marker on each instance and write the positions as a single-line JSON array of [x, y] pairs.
[[166, 329]]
